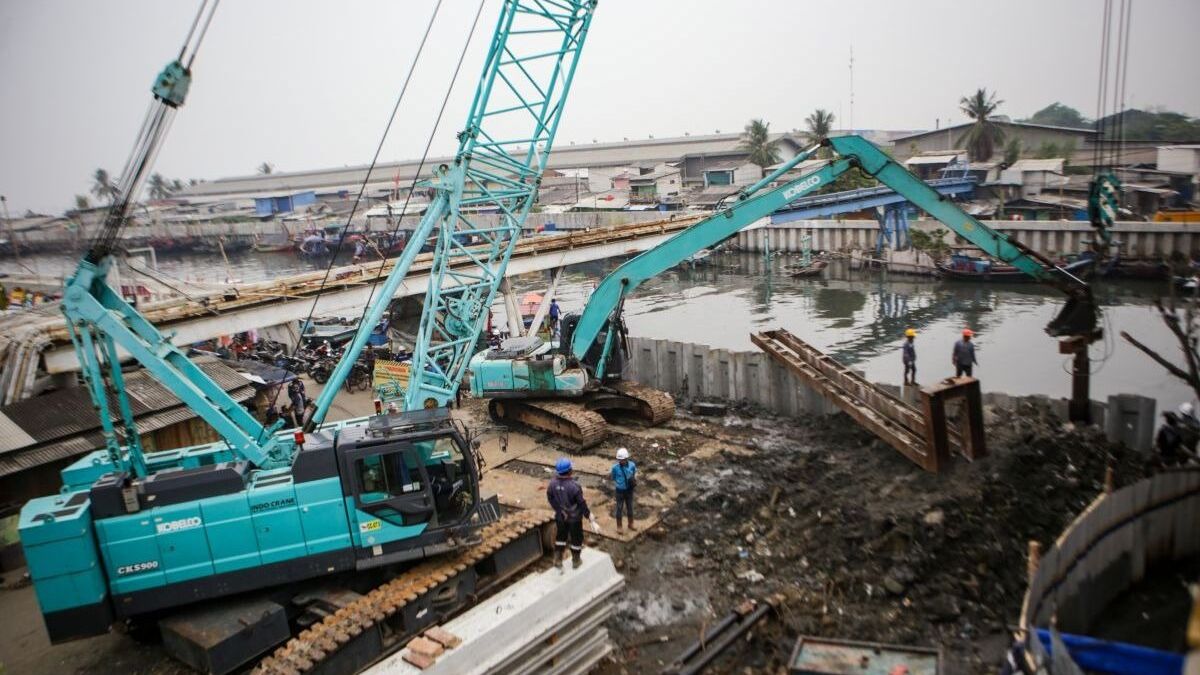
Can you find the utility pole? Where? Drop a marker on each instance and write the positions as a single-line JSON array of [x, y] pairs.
[[12, 235]]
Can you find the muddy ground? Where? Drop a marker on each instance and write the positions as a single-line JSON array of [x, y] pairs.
[[861, 543]]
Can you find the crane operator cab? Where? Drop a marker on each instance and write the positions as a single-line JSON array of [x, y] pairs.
[[411, 484]]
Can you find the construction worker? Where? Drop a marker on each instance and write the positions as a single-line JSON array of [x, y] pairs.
[[624, 476], [566, 498], [555, 314], [909, 356], [963, 357], [1169, 441]]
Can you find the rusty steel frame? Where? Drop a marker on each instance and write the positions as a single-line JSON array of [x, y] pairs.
[[923, 435]]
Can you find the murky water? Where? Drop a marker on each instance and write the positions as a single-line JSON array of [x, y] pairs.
[[858, 317]]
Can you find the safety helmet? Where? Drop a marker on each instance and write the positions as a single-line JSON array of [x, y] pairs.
[[967, 332], [1186, 408], [622, 453], [910, 333], [563, 466]]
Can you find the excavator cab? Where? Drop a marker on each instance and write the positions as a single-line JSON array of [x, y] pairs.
[[411, 484], [618, 353]]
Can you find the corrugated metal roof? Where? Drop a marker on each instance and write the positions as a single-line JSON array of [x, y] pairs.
[[12, 436], [898, 140], [1038, 165], [69, 412], [931, 159], [84, 443], [565, 156]]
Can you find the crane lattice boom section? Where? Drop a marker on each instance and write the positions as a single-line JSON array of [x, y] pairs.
[[502, 154]]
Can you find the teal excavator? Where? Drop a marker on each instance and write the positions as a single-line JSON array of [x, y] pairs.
[[133, 536], [562, 392]]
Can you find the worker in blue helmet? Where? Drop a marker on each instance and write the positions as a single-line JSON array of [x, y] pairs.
[[566, 498]]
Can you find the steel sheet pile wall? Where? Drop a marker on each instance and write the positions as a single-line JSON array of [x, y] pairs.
[[690, 371], [1109, 548], [1050, 238]]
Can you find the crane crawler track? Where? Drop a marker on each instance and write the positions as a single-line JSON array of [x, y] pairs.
[[316, 645]]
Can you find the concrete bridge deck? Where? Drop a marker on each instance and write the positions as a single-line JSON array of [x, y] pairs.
[[233, 309]]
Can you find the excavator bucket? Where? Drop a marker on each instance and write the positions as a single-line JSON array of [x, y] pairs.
[[1079, 316]]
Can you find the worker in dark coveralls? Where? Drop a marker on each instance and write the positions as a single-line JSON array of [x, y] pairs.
[[909, 356], [566, 498], [963, 357]]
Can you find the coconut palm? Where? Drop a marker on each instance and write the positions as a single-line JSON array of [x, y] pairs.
[[159, 187], [103, 186], [265, 168], [984, 136], [756, 139], [819, 124], [81, 202]]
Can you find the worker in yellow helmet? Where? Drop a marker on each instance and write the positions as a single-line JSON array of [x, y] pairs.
[[909, 355]]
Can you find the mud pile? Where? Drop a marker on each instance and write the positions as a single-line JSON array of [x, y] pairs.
[[865, 545]]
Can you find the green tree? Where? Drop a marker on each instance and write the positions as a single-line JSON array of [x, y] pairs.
[[176, 186], [1012, 151], [266, 168], [756, 140], [81, 202], [158, 186], [1059, 115], [984, 135], [1047, 150], [103, 186]]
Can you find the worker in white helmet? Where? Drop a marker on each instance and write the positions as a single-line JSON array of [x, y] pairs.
[[624, 476]]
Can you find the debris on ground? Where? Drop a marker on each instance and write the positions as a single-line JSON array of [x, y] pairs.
[[863, 544]]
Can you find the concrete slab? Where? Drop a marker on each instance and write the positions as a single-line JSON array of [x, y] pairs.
[[549, 615]]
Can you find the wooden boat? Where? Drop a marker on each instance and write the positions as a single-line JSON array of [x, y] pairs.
[[963, 267]]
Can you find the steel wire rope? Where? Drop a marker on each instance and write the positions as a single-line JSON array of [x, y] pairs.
[[424, 155], [417, 174], [366, 178]]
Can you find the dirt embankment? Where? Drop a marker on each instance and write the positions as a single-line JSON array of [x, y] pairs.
[[863, 544]]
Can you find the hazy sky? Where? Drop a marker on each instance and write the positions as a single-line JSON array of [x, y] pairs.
[[307, 84]]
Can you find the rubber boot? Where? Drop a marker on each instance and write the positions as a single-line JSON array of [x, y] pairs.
[[576, 558], [631, 527], [558, 556], [618, 524]]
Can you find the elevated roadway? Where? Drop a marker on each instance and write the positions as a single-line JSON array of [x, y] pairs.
[[244, 307]]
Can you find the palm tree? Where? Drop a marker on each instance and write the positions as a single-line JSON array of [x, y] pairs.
[[819, 124], [757, 141], [984, 136], [102, 185], [158, 186], [265, 168], [176, 186], [81, 202]]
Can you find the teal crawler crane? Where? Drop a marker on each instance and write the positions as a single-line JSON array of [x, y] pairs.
[[135, 535]]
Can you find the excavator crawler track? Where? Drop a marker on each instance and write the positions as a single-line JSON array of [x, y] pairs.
[[581, 422], [565, 419], [655, 407], [316, 648]]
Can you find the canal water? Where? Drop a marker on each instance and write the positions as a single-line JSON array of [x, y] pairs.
[[856, 316]]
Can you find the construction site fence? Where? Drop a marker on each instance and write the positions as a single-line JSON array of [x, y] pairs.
[[696, 372], [1122, 536]]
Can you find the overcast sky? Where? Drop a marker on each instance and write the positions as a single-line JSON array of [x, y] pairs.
[[308, 84]]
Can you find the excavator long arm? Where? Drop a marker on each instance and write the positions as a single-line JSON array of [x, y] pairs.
[[1077, 318]]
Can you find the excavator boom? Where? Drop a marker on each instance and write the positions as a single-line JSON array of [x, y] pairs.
[[1078, 317]]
